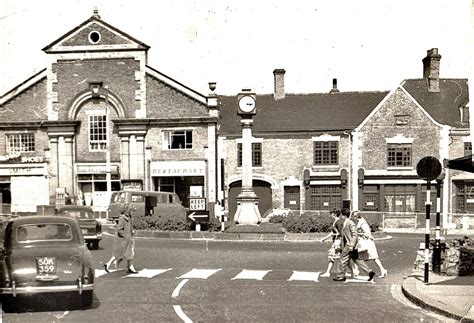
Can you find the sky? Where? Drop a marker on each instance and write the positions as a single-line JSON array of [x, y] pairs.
[[368, 45]]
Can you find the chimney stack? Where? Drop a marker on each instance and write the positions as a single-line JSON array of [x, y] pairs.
[[431, 64], [279, 84], [334, 86]]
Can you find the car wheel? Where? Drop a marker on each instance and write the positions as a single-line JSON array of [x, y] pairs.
[[87, 297], [95, 245]]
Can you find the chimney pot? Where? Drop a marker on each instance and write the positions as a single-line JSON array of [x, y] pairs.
[[334, 86], [279, 84]]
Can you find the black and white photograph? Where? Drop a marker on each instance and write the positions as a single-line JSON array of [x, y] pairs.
[[236, 161]]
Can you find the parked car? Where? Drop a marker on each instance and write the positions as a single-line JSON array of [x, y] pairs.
[[147, 203], [91, 228], [45, 254]]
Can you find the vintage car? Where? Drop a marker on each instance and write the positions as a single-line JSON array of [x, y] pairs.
[[91, 228], [45, 254]]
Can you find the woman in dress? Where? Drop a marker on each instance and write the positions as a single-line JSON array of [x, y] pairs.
[[334, 252], [124, 242], [364, 233]]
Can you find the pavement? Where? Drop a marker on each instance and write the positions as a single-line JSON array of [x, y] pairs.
[[451, 296]]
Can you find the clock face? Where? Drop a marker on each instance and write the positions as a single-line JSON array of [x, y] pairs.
[[247, 103]]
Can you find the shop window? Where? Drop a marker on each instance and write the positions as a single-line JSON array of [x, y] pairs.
[[97, 132], [400, 198], [178, 139], [20, 142], [326, 152], [325, 197], [256, 154], [399, 155], [464, 198], [166, 184], [467, 149], [371, 198]]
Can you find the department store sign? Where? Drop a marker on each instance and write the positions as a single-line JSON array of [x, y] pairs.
[[178, 168]]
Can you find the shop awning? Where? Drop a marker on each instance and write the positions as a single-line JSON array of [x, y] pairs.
[[463, 163]]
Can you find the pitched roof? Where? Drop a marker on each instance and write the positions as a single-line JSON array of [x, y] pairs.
[[444, 105], [302, 112]]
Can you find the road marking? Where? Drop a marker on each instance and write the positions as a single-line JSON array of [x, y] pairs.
[[147, 273], [102, 272], [305, 275], [470, 313], [360, 279], [181, 314], [199, 273], [251, 274], [178, 288]]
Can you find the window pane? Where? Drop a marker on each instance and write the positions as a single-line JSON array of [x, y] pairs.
[[326, 152], [20, 142], [97, 132], [399, 155]]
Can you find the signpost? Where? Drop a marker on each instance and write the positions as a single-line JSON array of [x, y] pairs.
[[429, 168], [198, 217]]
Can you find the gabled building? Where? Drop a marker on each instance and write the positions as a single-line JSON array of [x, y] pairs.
[[421, 117], [99, 108]]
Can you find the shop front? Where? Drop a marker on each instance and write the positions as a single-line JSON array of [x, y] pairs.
[[185, 178], [23, 187], [92, 185]]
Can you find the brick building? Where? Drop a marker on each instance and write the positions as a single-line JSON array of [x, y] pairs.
[[313, 151], [97, 94]]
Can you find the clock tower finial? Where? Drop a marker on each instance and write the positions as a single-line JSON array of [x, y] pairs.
[[96, 13]]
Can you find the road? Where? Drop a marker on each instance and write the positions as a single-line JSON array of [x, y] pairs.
[[236, 281]]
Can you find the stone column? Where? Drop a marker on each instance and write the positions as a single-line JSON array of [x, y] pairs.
[[247, 201], [125, 158], [53, 169]]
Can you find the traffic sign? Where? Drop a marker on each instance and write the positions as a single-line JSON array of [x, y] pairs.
[[428, 168], [197, 204], [198, 216]]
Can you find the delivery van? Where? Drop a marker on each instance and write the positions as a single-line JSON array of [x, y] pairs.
[[147, 203]]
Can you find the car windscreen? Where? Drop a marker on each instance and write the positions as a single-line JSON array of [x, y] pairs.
[[43, 232], [78, 214]]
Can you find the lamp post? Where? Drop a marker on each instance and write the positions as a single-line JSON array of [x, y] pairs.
[[247, 201], [97, 90]]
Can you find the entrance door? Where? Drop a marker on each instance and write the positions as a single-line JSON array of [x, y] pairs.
[[292, 197]]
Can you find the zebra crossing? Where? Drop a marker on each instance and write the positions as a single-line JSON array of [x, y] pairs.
[[244, 274]]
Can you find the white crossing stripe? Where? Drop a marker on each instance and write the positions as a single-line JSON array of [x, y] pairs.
[[360, 279], [199, 273], [102, 272], [147, 273], [252, 274], [305, 275]]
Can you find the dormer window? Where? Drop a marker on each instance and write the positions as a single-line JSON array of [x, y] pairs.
[[94, 37]]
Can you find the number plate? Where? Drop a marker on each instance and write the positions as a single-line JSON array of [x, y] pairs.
[[45, 265]]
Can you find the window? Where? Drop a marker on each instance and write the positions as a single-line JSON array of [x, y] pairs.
[[467, 149], [326, 152], [464, 199], [256, 154], [97, 132], [325, 197], [399, 155], [400, 198], [179, 139], [20, 142]]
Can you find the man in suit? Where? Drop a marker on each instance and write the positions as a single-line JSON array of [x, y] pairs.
[[348, 232]]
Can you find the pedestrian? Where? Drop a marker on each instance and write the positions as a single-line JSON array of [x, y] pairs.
[[124, 242], [366, 238], [334, 253], [348, 234]]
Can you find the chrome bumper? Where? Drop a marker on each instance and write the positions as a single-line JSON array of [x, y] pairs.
[[45, 289], [93, 237]]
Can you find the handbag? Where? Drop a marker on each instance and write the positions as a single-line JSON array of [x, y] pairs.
[[362, 245]]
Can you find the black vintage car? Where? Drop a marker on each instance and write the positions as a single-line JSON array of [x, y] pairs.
[[45, 254], [91, 228]]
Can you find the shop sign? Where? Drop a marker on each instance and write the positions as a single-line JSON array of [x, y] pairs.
[[178, 168], [96, 169], [17, 170]]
